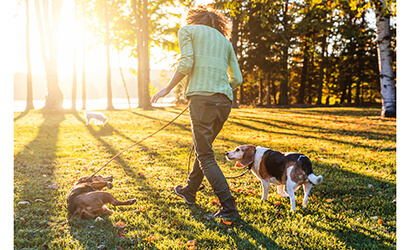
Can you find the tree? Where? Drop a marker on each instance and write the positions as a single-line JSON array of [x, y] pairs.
[[385, 54], [29, 104], [107, 44], [74, 90], [49, 27]]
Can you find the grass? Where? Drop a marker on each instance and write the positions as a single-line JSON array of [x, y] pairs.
[[352, 148]]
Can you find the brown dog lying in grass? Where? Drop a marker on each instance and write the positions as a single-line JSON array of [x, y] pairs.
[[86, 200]]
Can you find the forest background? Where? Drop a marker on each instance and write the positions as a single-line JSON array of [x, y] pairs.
[[290, 52]]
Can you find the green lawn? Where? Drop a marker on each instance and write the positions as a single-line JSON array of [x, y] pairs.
[[351, 148]]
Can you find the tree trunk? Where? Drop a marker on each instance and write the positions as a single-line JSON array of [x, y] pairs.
[[144, 101], [385, 56], [301, 93], [260, 95], [74, 90], [322, 68], [284, 89], [84, 95], [29, 104], [54, 97], [241, 94], [268, 103], [107, 44], [234, 41]]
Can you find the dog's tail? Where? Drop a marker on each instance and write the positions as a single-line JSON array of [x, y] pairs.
[[315, 179]]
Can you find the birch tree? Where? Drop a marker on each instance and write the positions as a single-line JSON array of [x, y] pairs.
[[385, 55]]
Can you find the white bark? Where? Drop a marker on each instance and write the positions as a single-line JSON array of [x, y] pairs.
[[385, 56]]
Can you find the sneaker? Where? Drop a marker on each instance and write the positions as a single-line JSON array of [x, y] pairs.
[[228, 210], [184, 193]]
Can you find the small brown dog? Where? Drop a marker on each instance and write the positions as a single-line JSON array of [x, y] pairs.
[[86, 200]]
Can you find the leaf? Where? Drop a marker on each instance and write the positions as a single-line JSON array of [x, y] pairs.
[[322, 149], [39, 200], [191, 244], [53, 186], [150, 238], [120, 224], [214, 201], [227, 222], [277, 203], [329, 200], [120, 234], [98, 219], [23, 203], [141, 209], [379, 221]]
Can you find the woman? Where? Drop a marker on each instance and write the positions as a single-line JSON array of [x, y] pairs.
[[207, 57]]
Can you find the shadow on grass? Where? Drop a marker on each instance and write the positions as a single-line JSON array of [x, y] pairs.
[[240, 226], [307, 129], [34, 168], [38, 156], [21, 115]]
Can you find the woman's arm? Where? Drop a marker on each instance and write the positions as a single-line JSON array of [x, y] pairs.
[[176, 78]]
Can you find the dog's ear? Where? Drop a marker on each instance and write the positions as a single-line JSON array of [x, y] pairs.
[[248, 156]]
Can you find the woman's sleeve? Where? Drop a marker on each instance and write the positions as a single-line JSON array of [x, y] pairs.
[[187, 53], [235, 76]]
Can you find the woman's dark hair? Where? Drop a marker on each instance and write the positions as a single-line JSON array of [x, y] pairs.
[[209, 17]]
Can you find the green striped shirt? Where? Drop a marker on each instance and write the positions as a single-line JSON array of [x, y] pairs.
[[209, 60]]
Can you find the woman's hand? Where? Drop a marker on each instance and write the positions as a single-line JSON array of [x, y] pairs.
[[176, 78], [160, 94]]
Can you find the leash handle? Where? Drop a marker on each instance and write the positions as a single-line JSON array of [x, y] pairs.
[[138, 142]]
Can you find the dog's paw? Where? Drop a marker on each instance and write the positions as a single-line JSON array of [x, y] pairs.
[[109, 185]]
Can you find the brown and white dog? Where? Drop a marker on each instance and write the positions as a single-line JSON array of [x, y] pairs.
[[282, 169], [86, 200]]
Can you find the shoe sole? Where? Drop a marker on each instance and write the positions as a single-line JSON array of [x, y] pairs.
[[180, 195]]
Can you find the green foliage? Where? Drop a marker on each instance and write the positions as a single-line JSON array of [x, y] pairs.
[[275, 40], [352, 148]]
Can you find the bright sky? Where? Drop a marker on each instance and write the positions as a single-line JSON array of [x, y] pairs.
[[96, 57]]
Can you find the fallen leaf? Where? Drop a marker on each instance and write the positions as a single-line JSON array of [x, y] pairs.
[[141, 209], [191, 245], [38, 200], [322, 149], [98, 219], [23, 203], [227, 222], [120, 234], [150, 238], [379, 221], [214, 201], [53, 186], [329, 200], [120, 224], [277, 203]]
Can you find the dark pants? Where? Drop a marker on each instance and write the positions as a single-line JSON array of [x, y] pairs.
[[208, 114]]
